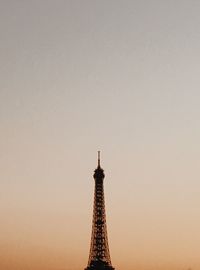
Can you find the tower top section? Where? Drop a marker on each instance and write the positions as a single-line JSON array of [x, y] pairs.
[[99, 172]]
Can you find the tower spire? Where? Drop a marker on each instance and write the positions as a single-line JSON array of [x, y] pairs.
[[99, 159]]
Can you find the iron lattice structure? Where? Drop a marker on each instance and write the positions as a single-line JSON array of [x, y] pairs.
[[99, 257]]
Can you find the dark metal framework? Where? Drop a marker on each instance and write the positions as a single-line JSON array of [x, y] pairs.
[[99, 257]]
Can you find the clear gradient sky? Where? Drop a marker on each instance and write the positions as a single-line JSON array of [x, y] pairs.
[[122, 77]]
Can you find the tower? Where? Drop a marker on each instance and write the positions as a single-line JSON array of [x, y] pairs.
[[99, 257]]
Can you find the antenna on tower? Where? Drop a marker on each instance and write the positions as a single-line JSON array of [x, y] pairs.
[[98, 158]]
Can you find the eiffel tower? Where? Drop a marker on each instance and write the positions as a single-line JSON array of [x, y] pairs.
[[99, 256]]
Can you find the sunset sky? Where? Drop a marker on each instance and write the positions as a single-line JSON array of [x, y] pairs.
[[118, 76]]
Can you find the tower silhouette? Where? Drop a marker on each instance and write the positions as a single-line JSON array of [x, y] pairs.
[[99, 257]]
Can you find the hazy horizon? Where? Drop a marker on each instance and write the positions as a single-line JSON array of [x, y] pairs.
[[122, 77]]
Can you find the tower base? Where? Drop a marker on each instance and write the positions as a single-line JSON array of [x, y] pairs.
[[99, 265]]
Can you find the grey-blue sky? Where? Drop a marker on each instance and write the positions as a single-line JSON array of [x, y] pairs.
[[122, 76]]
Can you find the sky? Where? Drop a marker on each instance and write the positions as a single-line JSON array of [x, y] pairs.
[[118, 76]]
